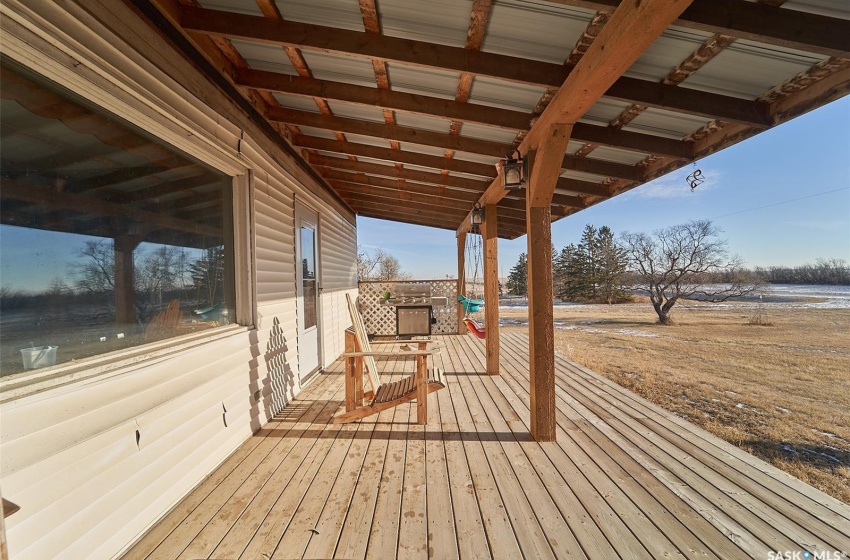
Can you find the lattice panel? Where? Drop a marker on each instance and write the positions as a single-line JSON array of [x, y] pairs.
[[380, 319]]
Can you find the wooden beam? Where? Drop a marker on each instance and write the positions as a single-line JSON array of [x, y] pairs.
[[770, 25], [16, 190], [378, 184], [461, 281], [460, 112], [354, 191], [386, 99], [389, 132], [400, 156], [689, 101], [125, 291], [607, 58], [546, 165], [737, 18], [762, 23], [357, 44], [328, 163], [491, 287]]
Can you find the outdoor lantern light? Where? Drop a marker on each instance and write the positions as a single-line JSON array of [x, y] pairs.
[[476, 217], [515, 168]]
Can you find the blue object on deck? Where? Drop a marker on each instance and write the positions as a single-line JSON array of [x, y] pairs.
[[470, 305]]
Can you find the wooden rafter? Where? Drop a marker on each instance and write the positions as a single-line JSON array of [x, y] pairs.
[[472, 185], [432, 106], [459, 59], [17, 190], [475, 35], [400, 156], [707, 51]]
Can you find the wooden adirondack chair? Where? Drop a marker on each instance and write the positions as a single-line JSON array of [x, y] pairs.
[[383, 396]]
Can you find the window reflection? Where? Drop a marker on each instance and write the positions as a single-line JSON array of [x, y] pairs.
[[108, 240], [308, 266]]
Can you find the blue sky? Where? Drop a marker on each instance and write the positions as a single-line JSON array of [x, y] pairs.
[[745, 194]]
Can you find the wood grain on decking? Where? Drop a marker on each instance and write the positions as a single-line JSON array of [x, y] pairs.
[[624, 479]]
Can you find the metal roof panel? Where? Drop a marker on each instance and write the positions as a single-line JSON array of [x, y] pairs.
[[271, 58], [336, 68], [604, 111], [354, 111], [439, 21], [235, 6], [367, 140], [535, 30], [419, 149], [617, 155], [668, 124], [505, 95], [296, 102], [423, 81], [746, 69], [830, 8], [582, 176], [318, 132], [666, 53], [484, 132], [423, 122], [344, 14]]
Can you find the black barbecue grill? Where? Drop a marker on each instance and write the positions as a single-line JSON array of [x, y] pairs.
[[414, 309]]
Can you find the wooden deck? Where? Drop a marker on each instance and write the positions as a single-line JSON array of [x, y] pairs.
[[624, 480]]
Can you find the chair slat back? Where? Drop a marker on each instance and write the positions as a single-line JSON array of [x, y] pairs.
[[363, 342]]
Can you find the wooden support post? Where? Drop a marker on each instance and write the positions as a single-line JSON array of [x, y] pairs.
[[422, 389], [545, 169], [125, 291], [491, 287], [461, 280]]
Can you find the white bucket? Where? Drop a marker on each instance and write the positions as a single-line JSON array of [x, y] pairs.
[[39, 356]]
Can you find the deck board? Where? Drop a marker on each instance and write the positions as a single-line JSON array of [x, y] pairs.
[[624, 479]]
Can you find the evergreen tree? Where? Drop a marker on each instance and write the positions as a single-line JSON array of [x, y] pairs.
[[518, 277], [611, 265], [591, 270]]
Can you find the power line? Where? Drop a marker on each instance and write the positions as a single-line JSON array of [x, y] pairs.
[[782, 202]]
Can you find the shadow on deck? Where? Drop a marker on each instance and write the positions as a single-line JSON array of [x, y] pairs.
[[624, 480]]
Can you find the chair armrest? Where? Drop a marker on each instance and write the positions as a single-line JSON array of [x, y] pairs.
[[391, 354]]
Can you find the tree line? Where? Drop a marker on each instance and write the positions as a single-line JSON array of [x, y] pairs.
[[682, 262], [160, 274], [588, 271]]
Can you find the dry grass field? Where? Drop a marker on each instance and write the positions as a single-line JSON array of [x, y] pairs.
[[781, 391]]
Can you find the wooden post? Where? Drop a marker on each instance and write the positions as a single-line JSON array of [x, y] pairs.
[[125, 292], [545, 169], [491, 287], [422, 389], [461, 280]]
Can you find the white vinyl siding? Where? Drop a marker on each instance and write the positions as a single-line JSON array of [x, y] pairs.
[[70, 456]]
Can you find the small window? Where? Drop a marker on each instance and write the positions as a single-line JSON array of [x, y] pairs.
[[108, 239]]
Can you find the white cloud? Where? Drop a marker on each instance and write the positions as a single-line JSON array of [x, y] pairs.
[[675, 185]]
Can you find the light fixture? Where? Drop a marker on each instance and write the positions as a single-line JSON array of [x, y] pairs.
[[476, 217], [515, 169]]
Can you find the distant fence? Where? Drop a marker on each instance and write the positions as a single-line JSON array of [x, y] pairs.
[[380, 319]]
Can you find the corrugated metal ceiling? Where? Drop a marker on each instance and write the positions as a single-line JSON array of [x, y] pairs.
[[534, 30], [437, 21]]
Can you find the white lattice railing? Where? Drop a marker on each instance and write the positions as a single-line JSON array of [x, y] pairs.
[[380, 319]]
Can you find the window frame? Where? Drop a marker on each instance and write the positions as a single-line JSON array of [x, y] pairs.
[[126, 101]]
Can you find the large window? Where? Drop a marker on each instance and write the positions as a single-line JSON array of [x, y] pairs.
[[108, 238]]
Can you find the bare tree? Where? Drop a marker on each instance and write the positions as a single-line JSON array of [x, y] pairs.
[[379, 266], [682, 262]]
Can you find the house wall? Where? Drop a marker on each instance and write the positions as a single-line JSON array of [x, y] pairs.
[[95, 460]]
